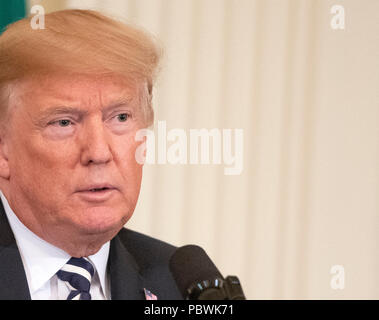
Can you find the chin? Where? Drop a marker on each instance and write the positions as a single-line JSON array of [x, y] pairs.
[[102, 220]]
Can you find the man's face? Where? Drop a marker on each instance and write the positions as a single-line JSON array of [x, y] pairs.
[[71, 154]]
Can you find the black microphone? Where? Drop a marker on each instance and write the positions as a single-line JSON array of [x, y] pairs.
[[199, 279]]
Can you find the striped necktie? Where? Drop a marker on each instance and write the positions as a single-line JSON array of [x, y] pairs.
[[77, 273]]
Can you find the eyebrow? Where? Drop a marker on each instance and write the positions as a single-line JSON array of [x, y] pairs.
[[55, 111], [60, 110]]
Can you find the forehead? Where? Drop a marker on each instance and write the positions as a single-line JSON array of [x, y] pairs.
[[76, 90]]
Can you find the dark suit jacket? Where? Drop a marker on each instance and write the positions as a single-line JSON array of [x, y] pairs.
[[135, 262]]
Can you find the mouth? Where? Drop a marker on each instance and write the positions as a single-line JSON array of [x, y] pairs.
[[97, 193], [96, 187]]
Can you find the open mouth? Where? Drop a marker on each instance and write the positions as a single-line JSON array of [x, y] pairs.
[[97, 194], [98, 189]]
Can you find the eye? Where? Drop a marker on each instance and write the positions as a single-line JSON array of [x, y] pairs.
[[64, 122], [122, 117], [60, 129], [61, 123]]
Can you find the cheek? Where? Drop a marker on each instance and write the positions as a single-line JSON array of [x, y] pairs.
[[131, 170], [37, 164]]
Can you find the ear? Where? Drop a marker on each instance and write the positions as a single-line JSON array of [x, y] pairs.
[[145, 150], [4, 165], [140, 152]]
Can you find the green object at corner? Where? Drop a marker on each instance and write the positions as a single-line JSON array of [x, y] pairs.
[[11, 11]]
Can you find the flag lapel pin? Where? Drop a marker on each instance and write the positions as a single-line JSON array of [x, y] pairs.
[[149, 295]]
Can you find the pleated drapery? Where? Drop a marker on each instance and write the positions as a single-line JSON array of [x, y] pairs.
[[306, 97]]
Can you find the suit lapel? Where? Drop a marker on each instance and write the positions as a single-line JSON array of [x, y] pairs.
[[126, 281], [13, 283]]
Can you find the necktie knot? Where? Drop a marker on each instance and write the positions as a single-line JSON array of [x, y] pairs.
[[77, 273]]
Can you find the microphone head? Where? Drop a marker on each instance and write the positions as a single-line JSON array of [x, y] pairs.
[[190, 265]]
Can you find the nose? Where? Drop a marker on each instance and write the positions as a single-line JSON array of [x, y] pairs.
[[95, 144]]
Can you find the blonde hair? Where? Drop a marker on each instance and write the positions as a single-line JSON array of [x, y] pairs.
[[79, 42]]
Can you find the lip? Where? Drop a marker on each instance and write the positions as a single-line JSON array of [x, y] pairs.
[[96, 196], [96, 186]]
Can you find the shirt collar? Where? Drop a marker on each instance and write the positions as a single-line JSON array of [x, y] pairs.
[[99, 260], [42, 260]]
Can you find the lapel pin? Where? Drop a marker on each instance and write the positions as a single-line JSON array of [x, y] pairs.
[[149, 295]]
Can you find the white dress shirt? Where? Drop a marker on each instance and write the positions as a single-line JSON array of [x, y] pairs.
[[42, 260]]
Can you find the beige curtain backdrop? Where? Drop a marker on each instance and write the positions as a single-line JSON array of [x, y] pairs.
[[306, 97]]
